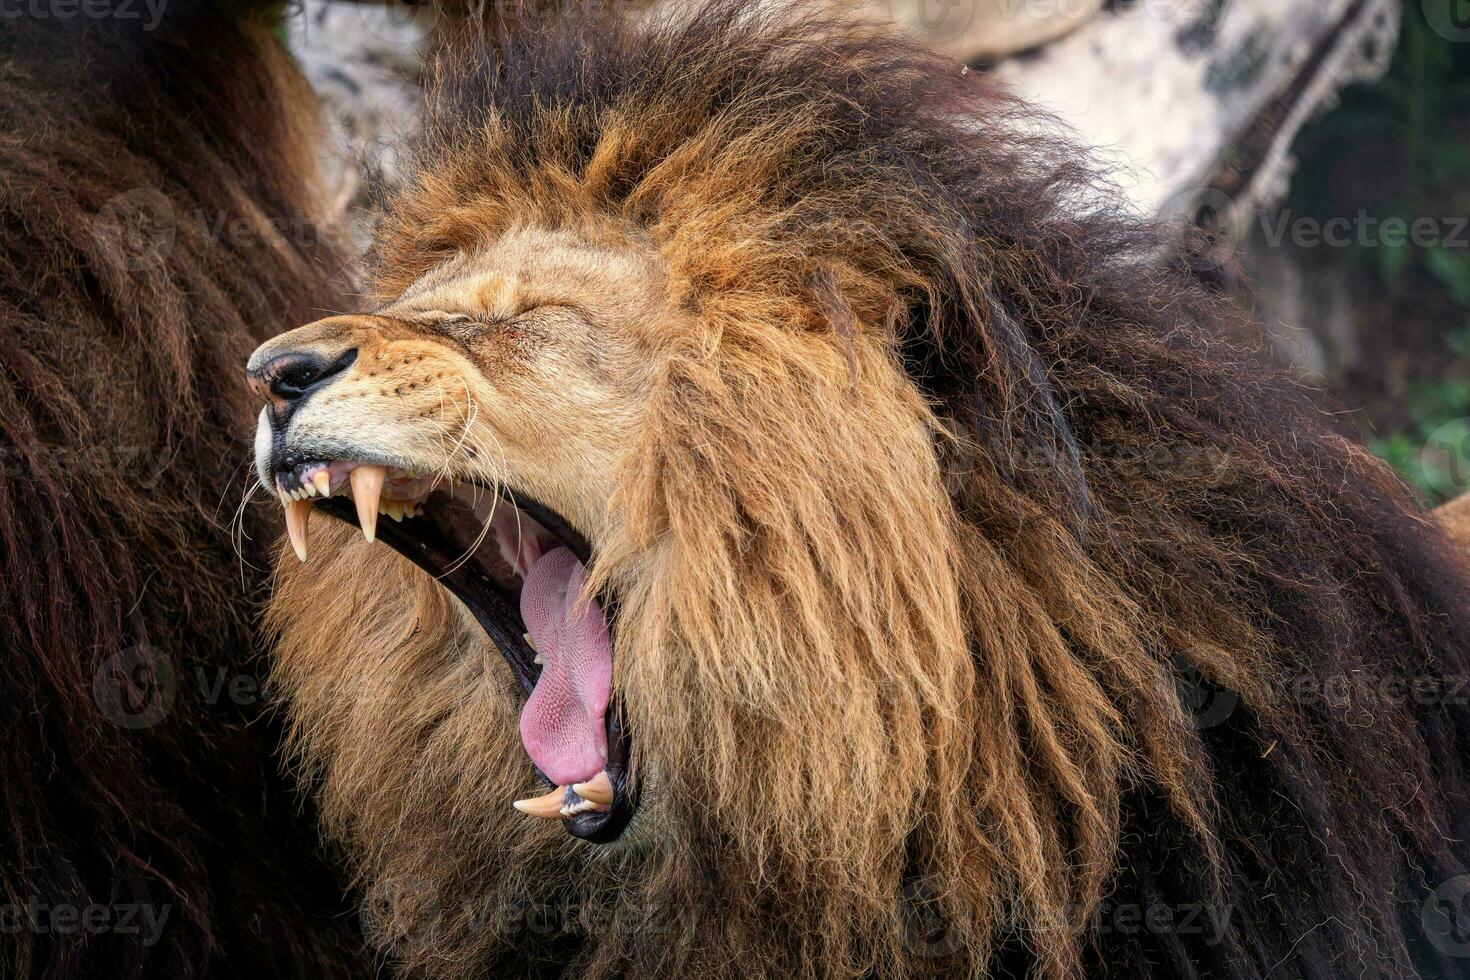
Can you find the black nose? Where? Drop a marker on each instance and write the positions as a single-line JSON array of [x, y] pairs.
[[288, 378]]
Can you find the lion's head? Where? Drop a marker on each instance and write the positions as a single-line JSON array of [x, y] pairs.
[[823, 505]]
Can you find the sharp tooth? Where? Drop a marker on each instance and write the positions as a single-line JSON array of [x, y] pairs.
[[598, 789], [548, 807], [532, 644], [367, 490], [322, 479], [297, 512], [397, 512]]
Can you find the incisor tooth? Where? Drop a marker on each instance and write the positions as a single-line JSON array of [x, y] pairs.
[[297, 513], [598, 789], [547, 807], [532, 644], [367, 490], [323, 482]]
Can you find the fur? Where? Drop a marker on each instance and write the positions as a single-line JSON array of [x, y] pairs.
[[1454, 517], [158, 217], [971, 575]]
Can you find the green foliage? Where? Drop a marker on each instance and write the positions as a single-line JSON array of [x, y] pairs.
[[1402, 138]]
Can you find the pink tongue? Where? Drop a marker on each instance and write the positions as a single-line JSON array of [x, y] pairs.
[[563, 724]]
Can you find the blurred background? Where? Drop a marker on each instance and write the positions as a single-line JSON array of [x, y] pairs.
[[1324, 145]]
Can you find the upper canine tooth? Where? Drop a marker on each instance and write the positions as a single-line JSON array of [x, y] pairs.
[[297, 513], [322, 479], [367, 490], [548, 807], [598, 789]]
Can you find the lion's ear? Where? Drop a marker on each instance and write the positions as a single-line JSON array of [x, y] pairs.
[[992, 390]]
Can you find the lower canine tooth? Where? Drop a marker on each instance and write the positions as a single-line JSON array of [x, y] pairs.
[[547, 807], [598, 789], [297, 514]]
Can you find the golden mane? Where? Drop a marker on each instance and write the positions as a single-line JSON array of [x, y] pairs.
[[951, 503]]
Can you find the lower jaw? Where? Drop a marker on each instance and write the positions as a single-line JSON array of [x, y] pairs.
[[437, 542]]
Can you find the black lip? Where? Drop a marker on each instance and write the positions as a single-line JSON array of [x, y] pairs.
[[438, 542]]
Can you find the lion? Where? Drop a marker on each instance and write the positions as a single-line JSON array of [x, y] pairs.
[[159, 217], [824, 539]]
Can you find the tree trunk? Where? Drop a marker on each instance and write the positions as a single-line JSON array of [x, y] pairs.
[[1192, 104]]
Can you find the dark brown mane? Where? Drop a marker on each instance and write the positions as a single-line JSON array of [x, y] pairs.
[[1149, 514], [140, 173]]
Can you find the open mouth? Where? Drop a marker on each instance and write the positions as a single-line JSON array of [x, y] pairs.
[[520, 569]]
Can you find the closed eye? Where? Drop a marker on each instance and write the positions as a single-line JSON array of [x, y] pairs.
[[467, 323]]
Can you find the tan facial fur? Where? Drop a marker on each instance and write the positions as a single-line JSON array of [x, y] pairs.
[[519, 363]]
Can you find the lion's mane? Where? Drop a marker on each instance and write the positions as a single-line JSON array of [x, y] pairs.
[[157, 220], [946, 522]]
